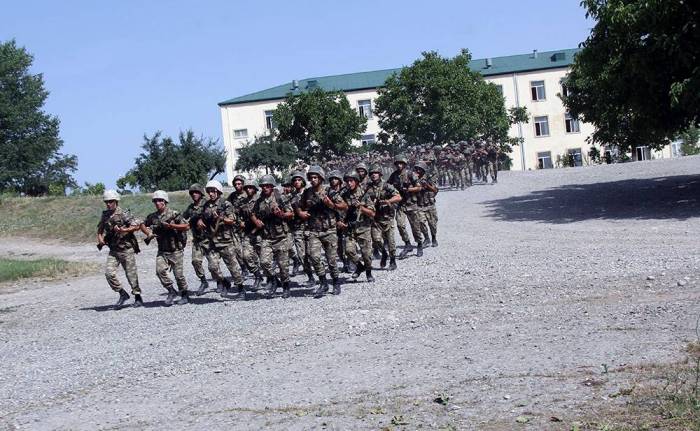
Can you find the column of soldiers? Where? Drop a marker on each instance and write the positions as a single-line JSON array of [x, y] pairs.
[[314, 221]]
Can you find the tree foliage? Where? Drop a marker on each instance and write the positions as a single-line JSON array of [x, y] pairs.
[[318, 123], [267, 152], [169, 165], [637, 78], [30, 157], [441, 100], [689, 141]]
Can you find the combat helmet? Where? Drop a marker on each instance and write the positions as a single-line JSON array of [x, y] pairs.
[[160, 194], [196, 187], [335, 174], [214, 184], [238, 177], [317, 170], [251, 183], [401, 158], [421, 165], [361, 165], [353, 175], [375, 168], [298, 174], [268, 180], [110, 195]]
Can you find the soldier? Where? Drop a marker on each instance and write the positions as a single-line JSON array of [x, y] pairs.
[[335, 180], [116, 230], [269, 215], [406, 183], [237, 193], [298, 227], [200, 240], [319, 212], [385, 197], [426, 203], [220, 221], [361, 170], [250, 237], [358, 224], [170, 231], [492, 155]]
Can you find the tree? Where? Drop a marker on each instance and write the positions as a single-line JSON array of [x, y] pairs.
[[30, 157], [165, 164], [689, 141], [267, 152], [636, 78], [439, 100], [318, 123]]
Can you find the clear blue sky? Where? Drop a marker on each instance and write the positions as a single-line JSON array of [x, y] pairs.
[[117, 70]]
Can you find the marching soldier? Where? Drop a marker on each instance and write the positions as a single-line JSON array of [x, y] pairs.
[[170, 231], [200, 240], [426, 203], [116, 230], [385, 197], [335, 186], [406, 183], [358, 224], [250, 237], [298, 227]]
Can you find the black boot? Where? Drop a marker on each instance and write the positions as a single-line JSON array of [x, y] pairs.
[[171, 296], [435, 243], [123, 296], [258, 280], [220, 286], [184, 298], [375, 253], [370, 278], [405, 251], [271, 287], [359, 267], [336, 286], [225, 286], [138, 301], [419, 251], [240, 291], [310, 282], [385, 256], [295, 266], [392, 263], [286, 293], [202, 287], [322, 287]]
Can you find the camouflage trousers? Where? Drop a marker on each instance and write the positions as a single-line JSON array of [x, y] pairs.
[[274, 251], [383, 234], [493, 167], [227, 252], [429, 226], [199, 250], [324, 241], [299, 239], [249, 253], [127, 259], [359, 238], [400, 218], [416, 218], [172, 260]]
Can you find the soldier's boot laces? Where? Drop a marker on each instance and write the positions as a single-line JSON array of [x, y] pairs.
[[258, 280], [138, 301], [360, 267], [435, 242], [392, 263], [184, 298], [419, 250], [123, 296], [171, 297], [370, 277], [385, 256], [202, 287], [322, 287], [286, 293], [336, 286], [405, 251]]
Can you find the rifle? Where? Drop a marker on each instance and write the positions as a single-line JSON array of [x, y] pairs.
[[112, 223]]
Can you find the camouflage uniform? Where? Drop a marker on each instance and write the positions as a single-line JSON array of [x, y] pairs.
[[200, 240], [359, 229], [273, 236], [426, 204], [321, 228], [383, 226], [122, 248], [408, 207], [171, 246], [250, 238], [223, 239]]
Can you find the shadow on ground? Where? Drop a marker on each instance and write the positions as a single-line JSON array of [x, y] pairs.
[[676, 197]]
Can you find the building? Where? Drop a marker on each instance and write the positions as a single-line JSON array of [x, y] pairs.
[[533, 80]]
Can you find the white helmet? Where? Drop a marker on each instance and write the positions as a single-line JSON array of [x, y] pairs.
[[110, 195], [160, 194], [214, 184]]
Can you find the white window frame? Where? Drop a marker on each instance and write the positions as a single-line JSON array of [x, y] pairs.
[[574, 152], [542, 159], [537, 121], [645, 150], [538, 96], [240, 133], [573, 125], [368, 139], [269, 122], [364, 107]]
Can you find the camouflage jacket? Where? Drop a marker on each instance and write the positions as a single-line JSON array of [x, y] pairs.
[[218, 231], [169, 240], [118, 218], [402, 181], [264, 209], [192, 214], [322, 218], [382, 191], [354, 217], [426, 198]]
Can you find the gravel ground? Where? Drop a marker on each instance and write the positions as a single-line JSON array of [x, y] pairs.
[[540, 283]]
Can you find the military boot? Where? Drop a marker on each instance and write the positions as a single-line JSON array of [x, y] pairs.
[[419, 250], [370, 278], [405, 251], [336, 286], [295, 266], [258, 280], [322, 287], [172, 294], [138, 301], [385, 256], [375, 253], [184, 298], [435, 243], [240, 291], [271, 287], [202, 287], [225, 286], [359, 268], [123, 296], [311, 282], [286, 292]]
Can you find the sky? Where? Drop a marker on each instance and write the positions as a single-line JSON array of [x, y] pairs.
[[118, 70]]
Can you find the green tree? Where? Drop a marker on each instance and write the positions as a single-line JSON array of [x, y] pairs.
[[169, 165], [318, 123], [30, 157], [689, 141], [636, 78], [441, 100], [267, 152]]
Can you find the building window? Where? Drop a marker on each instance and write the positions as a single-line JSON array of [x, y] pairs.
[[542, 126], [544, 160], [676, 149], [500, 89], [564, 90], [368, 140], [240, 133], [572, 124], [365, 108], [537, 89], [575, 156], [643, 153], [269, 122]]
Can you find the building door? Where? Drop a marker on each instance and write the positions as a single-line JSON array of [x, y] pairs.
[[643, 153]]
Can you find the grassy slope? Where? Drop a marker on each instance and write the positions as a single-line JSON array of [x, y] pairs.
[[13, 269], [69, 218]]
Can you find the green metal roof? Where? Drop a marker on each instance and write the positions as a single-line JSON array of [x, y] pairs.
[[375, 79]]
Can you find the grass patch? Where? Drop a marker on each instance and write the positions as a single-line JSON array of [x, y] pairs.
[[15, 269], [71, 218]]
